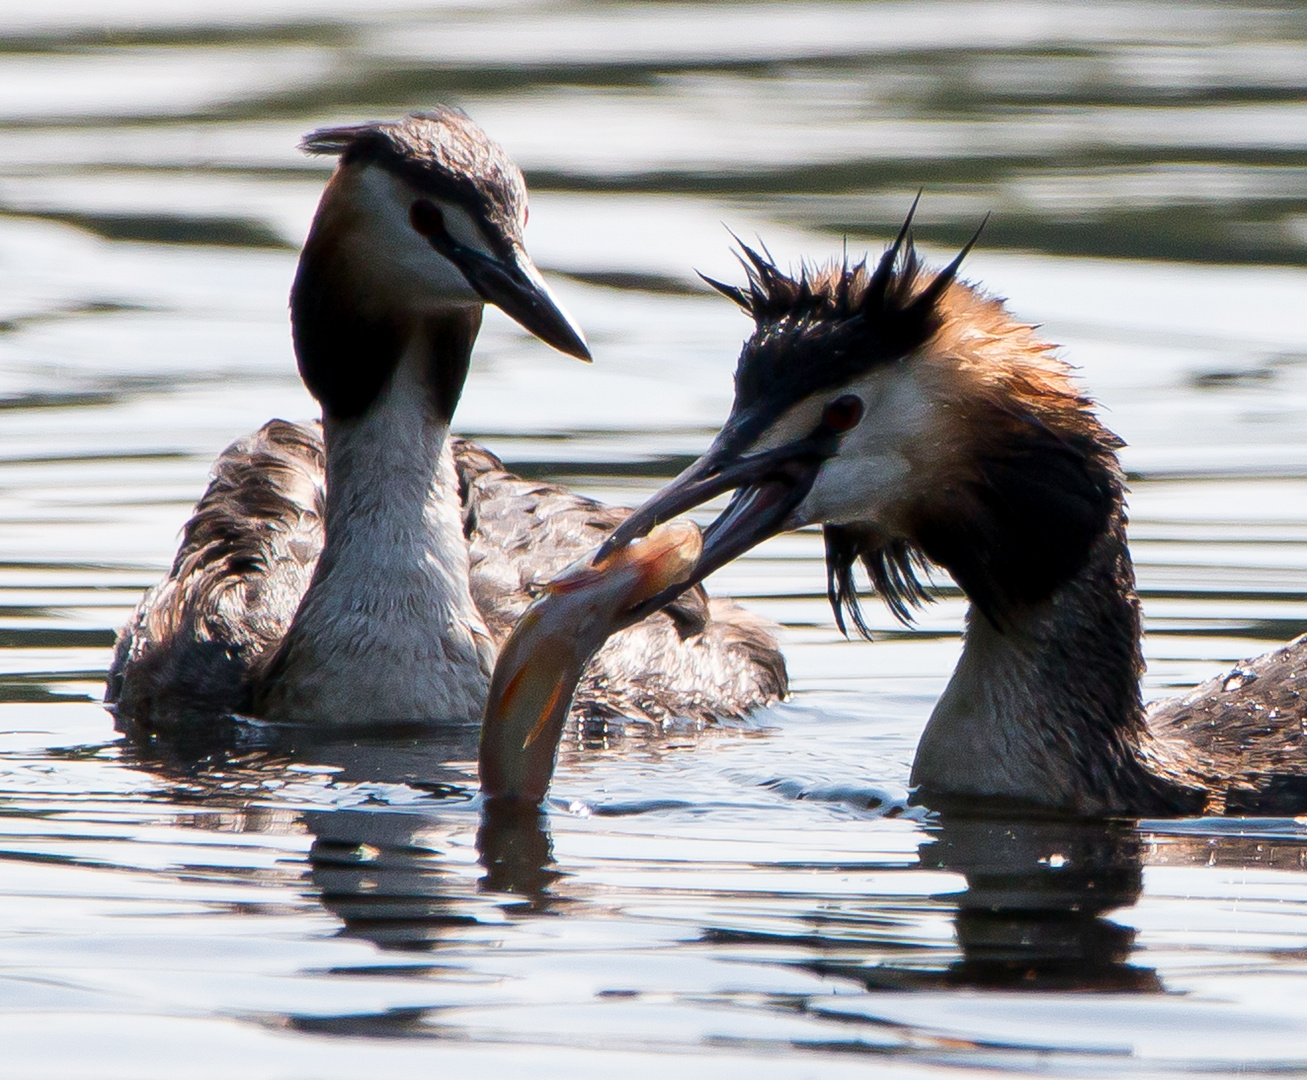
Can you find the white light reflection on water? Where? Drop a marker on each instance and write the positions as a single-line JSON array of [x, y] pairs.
[[747, 902]]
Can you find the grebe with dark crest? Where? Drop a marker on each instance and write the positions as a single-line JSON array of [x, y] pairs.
[[367, 569], [921, 424]]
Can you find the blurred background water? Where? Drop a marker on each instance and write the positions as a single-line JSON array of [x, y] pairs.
[[753, 901]]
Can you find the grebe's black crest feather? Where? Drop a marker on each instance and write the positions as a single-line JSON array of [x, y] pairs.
[[879, 284], [827, 324]]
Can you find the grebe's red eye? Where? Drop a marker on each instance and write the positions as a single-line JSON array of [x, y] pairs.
[[426, 218], [843, 413]]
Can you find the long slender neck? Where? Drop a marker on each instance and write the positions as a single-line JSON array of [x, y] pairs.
[[388, 628], [394, 524], [1046, 710]]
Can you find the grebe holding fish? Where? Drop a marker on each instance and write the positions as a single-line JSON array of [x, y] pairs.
[[921, 424]]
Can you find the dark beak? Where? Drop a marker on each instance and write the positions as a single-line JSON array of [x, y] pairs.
[[768, 487], [510, 282], [517, 289]]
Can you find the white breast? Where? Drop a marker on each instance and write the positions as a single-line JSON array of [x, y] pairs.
[[387, 629]]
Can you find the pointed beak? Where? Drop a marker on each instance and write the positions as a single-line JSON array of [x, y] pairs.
[[510, 282], [517, 289], [768, 486]]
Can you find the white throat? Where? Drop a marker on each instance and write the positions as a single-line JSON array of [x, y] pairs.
[[1047, 710], [986, 733], [387, 629]]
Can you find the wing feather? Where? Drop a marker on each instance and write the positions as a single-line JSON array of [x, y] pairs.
[[246, 557], [248, 552], [699, 660]]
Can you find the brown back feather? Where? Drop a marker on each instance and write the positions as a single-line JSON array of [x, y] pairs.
[[245, 559], [698, 660], [247, 554]]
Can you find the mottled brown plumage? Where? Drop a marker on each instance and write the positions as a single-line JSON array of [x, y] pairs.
[[246, 557], [364, 570], [700, 659], [200, 641], [1241, 737]]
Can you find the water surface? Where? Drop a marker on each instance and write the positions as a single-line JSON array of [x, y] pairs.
[[753, 901]]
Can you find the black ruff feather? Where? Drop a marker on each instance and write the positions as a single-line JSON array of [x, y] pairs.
[[892, 566]]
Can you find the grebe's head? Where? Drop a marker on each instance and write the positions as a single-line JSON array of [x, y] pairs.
[[917, 421], [422, 218]]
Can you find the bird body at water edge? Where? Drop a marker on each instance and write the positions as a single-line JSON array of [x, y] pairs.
[[921, 424], [367, 568]]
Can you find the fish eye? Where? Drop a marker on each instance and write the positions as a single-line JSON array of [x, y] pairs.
[[843, 413], [426, 218]]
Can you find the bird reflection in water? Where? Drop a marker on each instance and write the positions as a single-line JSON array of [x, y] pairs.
[[1033, 909], [386, 876], [385, 867], [1034, 913]]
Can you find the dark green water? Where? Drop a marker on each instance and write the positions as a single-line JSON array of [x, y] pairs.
[[748, 902]]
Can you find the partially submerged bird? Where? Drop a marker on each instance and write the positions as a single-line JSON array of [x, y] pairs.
[[921, 424], [365, 570]]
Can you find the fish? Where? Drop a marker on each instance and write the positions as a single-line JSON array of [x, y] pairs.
[[543, 658]]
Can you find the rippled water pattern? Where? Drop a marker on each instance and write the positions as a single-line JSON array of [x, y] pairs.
[[747, 902]]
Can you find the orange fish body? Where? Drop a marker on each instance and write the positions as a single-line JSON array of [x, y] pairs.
[[541, 663]]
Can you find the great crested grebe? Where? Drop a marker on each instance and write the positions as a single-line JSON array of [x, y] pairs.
[[921, 424], [366, 570]]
